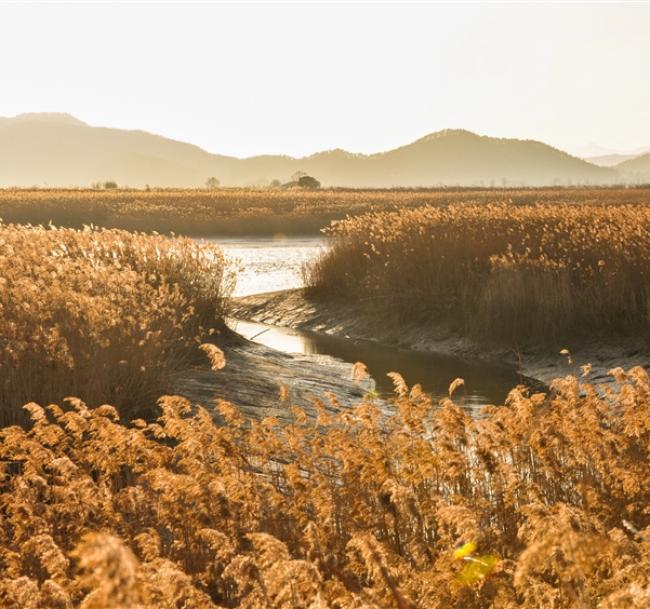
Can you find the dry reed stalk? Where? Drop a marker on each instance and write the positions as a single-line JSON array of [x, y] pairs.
[[542, 503]]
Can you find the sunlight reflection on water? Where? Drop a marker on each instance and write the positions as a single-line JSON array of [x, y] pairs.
[[268, 263], [484, 383]]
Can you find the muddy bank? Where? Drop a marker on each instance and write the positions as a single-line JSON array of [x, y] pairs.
[[254, 373], [294, 309]]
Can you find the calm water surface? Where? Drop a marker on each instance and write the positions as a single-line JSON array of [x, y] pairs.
[[270, 264], [484, 383]]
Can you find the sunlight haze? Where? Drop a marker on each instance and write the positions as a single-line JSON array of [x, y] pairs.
[[294, 79], [324, 305]]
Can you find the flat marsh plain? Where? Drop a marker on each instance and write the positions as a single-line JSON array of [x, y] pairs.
[[110, 500], [233, 211]]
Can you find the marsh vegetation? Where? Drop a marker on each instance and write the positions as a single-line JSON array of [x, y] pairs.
[[524, 275], [249, 211], [540, 502], [106, 314]]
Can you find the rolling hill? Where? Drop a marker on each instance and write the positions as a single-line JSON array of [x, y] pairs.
[[636, 170], [60, 150]]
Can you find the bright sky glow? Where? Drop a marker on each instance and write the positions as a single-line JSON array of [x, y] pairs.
[[247, 79]]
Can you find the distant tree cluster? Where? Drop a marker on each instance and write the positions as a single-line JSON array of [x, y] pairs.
[[300, 180], [308, 182], [108, 185]]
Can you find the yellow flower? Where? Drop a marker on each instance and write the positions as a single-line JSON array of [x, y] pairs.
[[464, 550], [475, 569]]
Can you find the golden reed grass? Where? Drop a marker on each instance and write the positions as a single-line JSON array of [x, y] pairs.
[[520, 273], [543, 503], [250, 211], [106, 314]]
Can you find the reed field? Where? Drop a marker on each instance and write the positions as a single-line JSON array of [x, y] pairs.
[[543, 503], [524, 274], [122, 499], [106, 314], [266, 211]]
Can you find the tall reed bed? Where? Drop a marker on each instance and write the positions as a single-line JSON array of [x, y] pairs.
[[543, 503], [530, 273], [105, 314], [262, 211]]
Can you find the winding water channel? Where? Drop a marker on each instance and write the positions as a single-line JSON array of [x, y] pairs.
[[268, 264]]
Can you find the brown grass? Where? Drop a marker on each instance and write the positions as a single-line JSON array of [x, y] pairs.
[[249, 211], [521, 274], [547, 496], [109, 315]]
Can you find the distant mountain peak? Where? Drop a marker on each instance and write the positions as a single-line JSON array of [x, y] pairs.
[[444, 133], [45, 117], [338, 153]]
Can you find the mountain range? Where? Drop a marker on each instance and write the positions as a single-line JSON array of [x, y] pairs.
[[59, 150]]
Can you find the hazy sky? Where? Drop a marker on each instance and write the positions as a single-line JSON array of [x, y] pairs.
[[246, 79]]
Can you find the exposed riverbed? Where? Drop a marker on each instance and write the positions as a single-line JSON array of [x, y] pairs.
[[269, 264]]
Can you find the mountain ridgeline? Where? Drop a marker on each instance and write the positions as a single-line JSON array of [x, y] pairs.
[[57, 150]]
